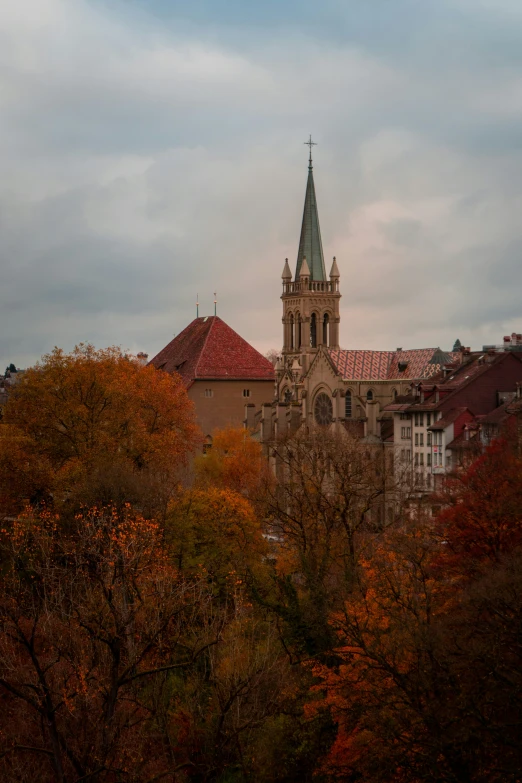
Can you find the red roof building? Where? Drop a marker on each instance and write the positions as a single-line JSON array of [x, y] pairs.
[[440, 419], [221, 371]]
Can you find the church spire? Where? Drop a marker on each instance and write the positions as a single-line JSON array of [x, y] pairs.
[[310, 245]]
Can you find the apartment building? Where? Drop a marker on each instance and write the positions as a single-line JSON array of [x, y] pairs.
[[431, 422]]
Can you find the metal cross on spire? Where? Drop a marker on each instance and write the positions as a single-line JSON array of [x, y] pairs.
[[310, 144]]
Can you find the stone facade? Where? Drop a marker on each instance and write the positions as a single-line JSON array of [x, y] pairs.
[[221, 403]]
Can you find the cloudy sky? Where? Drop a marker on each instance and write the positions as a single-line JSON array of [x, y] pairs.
[[153, 149]]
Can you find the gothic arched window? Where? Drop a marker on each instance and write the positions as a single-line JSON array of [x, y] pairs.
[[326, 323], [297, 330], [291, 331], [369, 395], [313, 331], [348, 405]]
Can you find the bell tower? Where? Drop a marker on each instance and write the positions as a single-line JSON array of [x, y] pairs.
[[310, 301]]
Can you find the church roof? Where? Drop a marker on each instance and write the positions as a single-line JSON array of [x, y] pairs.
[[390, 365], [310, 245], [209, 349]]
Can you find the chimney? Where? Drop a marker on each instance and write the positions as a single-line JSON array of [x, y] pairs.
[[142, 358]]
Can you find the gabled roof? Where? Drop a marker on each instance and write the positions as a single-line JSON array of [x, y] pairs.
[[450, 417], [209, 349], [310, 245], [390, 365]]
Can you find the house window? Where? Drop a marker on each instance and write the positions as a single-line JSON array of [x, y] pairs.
[[421, 419], [428, 419], [403, 432], [428, 439], [416, 419], [246, 392], [421, 439], [369, 395], [209, 393], [408, 455], [416, 438], [428, 459], [348, 405], [422, 458], [416, 458], [408, 432]]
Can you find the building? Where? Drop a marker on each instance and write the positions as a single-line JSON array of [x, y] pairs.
[[220, 370], [317, 381], [437, 424]]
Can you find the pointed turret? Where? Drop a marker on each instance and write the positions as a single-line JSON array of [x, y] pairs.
[[305, 269], [310, 244], [287, 275], [334, 271]]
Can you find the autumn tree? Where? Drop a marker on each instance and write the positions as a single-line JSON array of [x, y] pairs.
[[217, 532], [94, 426], [235, 461], [481, 521], [94, 624], [427, 685], [330, 489]]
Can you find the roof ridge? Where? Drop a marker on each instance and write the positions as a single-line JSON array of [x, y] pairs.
[[204, 344]]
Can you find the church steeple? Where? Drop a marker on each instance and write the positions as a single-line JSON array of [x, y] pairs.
[[310, 301], [310, 245]]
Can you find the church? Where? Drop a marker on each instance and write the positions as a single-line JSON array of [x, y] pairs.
[[316, 381]]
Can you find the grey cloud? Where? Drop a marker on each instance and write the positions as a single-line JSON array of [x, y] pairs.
[[145, 159]]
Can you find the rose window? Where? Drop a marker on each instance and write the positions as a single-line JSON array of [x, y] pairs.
[[323, 409]]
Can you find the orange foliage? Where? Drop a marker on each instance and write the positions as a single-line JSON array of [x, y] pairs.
[[91, 624], [235, 461], [89, 412], [216, 531]]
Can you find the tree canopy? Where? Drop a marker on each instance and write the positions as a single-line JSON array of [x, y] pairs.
[[81, 427]]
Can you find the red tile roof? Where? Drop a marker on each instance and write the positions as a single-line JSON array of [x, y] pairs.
[[384, 365], [208, 348], [370, 365]]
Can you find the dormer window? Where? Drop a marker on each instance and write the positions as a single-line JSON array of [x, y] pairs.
[[402, 366]]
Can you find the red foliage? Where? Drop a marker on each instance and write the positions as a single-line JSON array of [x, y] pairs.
[[483, 521]]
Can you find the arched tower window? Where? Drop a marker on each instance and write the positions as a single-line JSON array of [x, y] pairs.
[[326, 329], [348, 405], [313, 331], [291, 331], [369, 395], [297, 330], [394, 394]]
